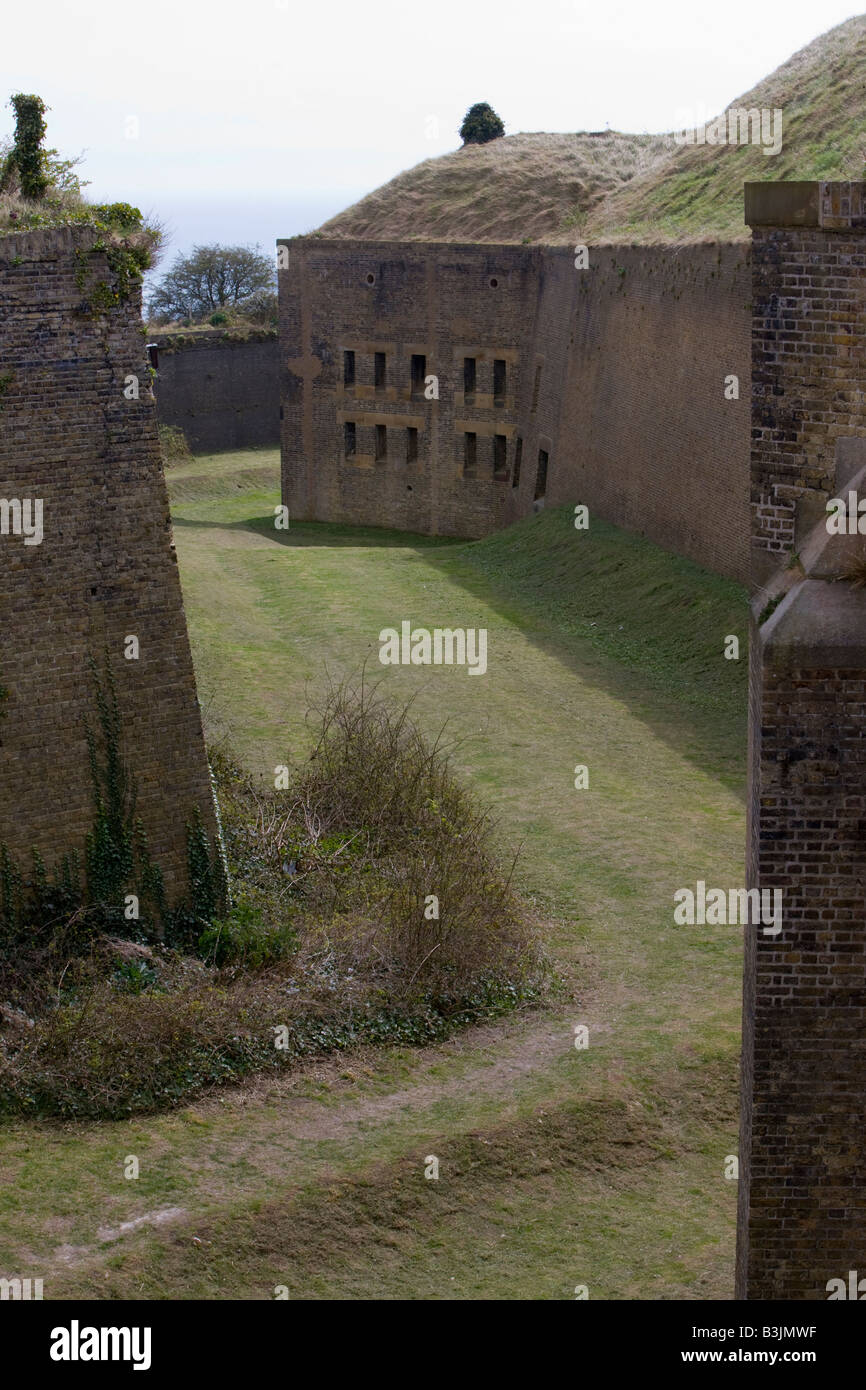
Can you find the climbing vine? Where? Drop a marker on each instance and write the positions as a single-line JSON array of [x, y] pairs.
[[118, 869], [27, 157], [207, 871], [110, 845], [127, 246]]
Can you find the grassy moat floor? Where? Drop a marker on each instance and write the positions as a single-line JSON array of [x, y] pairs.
[[558, 1167]]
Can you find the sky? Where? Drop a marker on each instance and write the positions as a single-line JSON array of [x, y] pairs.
[[238, 121]]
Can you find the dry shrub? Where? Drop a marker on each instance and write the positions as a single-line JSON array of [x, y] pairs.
[[110, 1055], [173, 445], [378, 826], [330, 936], [855, 572]]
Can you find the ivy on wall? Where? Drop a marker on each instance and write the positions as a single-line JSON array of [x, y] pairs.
[[117, 866], [27, 158], [128, 247]]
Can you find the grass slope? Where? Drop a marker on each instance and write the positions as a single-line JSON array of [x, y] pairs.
[[632, 188], [698, 194], [558, 1167], [518, 188]]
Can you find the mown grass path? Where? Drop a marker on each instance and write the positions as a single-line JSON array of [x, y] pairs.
[[558, 1167]]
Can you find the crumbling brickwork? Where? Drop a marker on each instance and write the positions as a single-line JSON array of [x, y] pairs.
[[802, 1193], [74, 437], [615, 388]]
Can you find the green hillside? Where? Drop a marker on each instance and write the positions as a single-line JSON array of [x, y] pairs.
[[519, 188], [698, 194], [616, 187]]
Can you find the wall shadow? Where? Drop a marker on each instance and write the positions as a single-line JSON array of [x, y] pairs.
[[710, 734]]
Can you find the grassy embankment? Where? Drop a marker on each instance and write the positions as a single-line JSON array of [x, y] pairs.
[[558, 1167], [612, 187]]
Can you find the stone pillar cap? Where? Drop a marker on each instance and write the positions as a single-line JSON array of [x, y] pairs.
[[834, 205], [826, 556]]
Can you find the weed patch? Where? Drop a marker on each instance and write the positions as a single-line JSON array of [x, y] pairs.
[[332, 940]]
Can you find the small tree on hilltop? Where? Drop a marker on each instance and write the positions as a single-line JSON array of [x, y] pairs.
[[480, 125], [210, 279]]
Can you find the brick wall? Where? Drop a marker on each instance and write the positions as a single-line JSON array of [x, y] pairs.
[[808, 355], [106, 568], [647, 436], [802, 1193], [440, 303], [220, 389], [615, 372], [803, 1170]]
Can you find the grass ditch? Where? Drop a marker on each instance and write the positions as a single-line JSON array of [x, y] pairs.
[[458, 1228], [243, 1163]]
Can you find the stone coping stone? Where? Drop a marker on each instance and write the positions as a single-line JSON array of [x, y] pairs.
[[46, 243], [832, 205], [826, 556], [790, 204], [178, 341], [819, 625]]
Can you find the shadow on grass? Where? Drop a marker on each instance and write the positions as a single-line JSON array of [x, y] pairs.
[[661, 656], [303, 533], [643, 624]]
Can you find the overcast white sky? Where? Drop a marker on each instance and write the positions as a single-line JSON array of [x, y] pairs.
[[259, 118]]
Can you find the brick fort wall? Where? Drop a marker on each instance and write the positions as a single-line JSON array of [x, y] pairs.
[[802, 1185], [105, 569], [220, 389], [614, 388]]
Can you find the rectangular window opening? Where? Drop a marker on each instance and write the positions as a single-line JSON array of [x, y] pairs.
[[500, 448], [499, 378], [349, 437], [411, 444], [469, 376], [419, 372], [379, 370], [470, 453], [518, 458], [541, 475], [348, 368], [381, 443]]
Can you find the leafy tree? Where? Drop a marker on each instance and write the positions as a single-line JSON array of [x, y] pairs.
[[481, 124], [262, 309], [61, 174], [210, 279]]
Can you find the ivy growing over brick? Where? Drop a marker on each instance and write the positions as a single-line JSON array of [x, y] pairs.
[[117, 861], [27, 159]]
